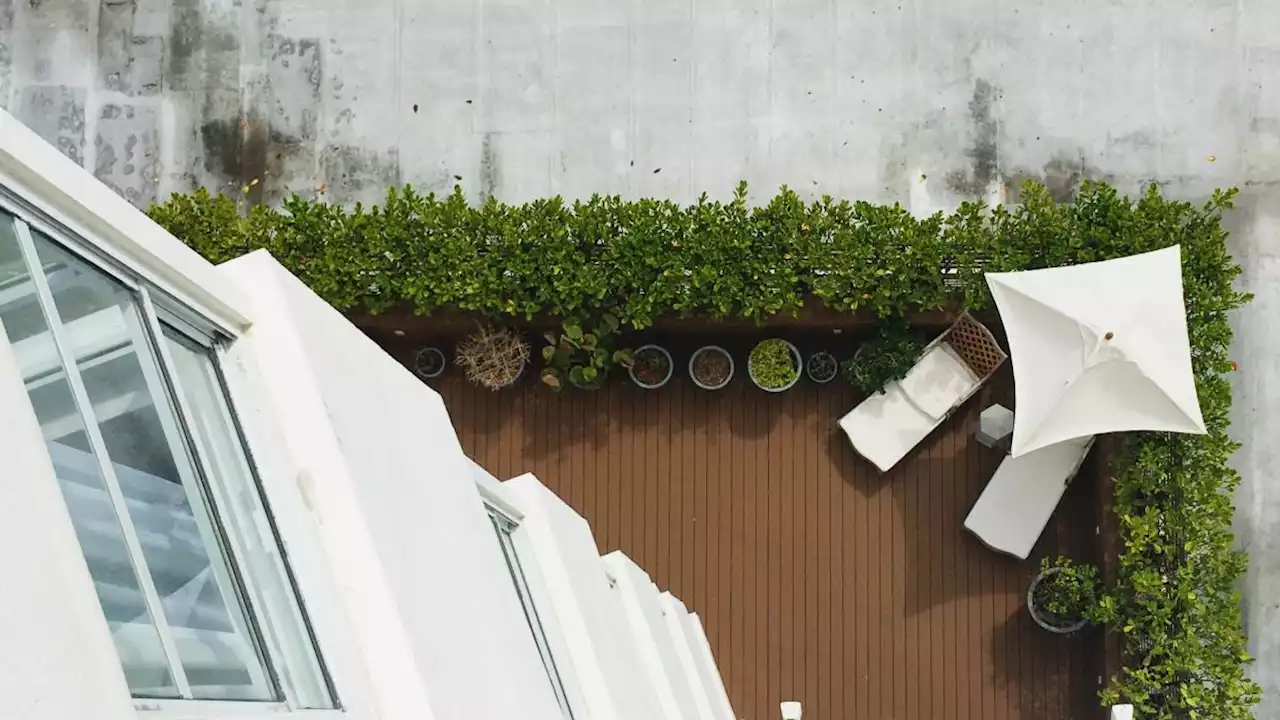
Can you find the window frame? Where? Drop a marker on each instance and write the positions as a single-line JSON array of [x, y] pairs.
[[158, 307], [496, 502]]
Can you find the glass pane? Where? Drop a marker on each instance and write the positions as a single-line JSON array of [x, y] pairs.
[[183, 549], [503, 527], [92, 514], [220, 445]]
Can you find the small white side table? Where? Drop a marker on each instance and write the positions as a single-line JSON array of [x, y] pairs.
[[995, 427]]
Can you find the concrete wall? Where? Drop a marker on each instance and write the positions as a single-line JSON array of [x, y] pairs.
[[521, 98], [893, 100]]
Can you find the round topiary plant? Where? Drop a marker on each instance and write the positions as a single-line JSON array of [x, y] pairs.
[[1064, 596], [774, 365]]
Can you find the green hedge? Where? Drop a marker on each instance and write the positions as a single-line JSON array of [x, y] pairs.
[[1175, 602]]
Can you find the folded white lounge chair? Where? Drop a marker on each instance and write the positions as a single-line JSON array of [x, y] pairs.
[[1016, 505], [887, 425]]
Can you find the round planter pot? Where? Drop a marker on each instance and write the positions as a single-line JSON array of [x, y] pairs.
[[710, 349], [429, 363], [799, 361], [514, 378], [671, 366], [1040, 619], [828, 361]]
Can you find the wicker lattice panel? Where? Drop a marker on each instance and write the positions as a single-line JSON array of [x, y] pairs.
[[975, 344]]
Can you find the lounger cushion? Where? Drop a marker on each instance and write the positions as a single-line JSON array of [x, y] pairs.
[[884, 427], [938, 381], [1016, 505]]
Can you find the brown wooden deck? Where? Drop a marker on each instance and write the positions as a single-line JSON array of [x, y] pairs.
[[818, 579]]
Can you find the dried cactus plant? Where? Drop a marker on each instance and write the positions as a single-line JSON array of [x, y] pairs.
[[492, 357]]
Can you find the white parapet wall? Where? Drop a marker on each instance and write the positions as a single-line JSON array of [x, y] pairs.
[[708, 668], [647, 622], [589, 613], [675, 616], [388, 491]]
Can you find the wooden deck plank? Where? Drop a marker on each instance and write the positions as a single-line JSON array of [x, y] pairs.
[[894, 610]]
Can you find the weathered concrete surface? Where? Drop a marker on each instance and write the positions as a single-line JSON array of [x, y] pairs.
[[921, 102]]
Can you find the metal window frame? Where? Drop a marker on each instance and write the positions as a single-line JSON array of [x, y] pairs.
[[160, 306], [151, 598], [179, 430], [23, 204], [505, 527], [161, 323]]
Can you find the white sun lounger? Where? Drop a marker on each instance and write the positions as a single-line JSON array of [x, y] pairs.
[[887, 425], [1016, 505]]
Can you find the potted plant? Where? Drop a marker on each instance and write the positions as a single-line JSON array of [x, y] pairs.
[[493, 357], [890, 356], [774, 365], [711, 367], [1064, 597], [822, 367], [582, 353], [429, 363], [651, 366]]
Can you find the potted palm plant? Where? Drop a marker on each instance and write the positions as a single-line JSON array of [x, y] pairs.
[[774, 365]]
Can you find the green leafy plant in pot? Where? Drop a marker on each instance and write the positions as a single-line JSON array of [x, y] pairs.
[[582, 353], [1064, 596], [774, 365], [888, 357]]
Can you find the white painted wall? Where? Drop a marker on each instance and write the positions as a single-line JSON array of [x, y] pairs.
[[646, 622], [708, 669], [675, 613], [441, 630], [588, 612]]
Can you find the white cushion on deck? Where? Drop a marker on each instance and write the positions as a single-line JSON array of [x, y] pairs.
[[1016, 505]]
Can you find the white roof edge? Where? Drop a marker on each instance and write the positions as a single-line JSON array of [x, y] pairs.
[[52, 182]]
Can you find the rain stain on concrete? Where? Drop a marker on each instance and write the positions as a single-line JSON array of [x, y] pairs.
[[236, 149], [294, 76], [1061, 176], [984, 150], [127, 159], [348, 170], [490, 171], [56, 113]]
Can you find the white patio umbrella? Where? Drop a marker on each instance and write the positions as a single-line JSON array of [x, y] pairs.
[[1098, 347]]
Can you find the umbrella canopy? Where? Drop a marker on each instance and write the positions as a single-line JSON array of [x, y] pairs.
[[1098, 347]]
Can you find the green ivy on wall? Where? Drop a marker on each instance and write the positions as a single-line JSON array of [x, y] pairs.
[[1174, 602]]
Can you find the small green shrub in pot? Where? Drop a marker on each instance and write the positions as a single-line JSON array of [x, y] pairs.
[[888, 357], [774, 365], [1064, 596], [582, 353]]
